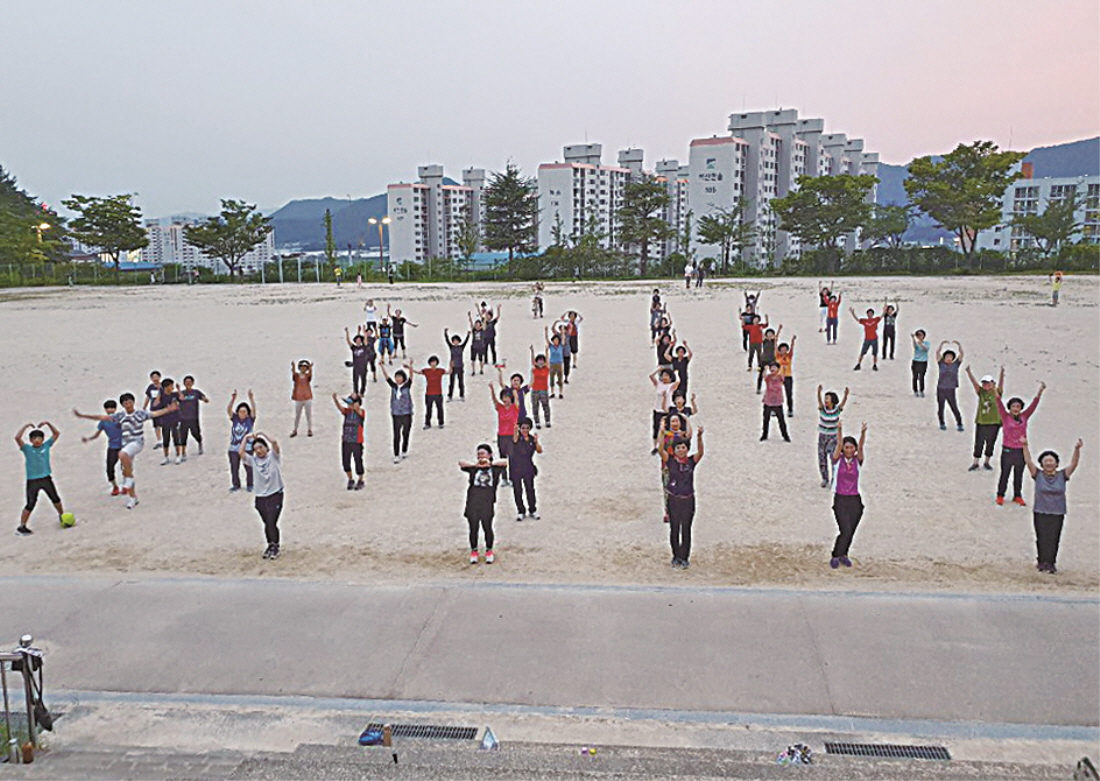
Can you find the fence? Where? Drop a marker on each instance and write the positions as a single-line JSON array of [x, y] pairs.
[[16, 670]]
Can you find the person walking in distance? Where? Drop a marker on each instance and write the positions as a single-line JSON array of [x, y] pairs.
[[351, 437], [302, 395], [847, 502]]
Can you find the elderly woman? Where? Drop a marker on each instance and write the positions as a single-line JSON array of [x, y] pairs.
[[1049, 508]]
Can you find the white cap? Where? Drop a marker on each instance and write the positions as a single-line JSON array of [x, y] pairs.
[[988, 378]]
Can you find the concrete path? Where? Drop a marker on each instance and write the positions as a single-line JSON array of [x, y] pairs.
[[998, 659]]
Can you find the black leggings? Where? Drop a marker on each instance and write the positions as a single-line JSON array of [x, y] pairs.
[[848, 511], [349, 451], [920, 368], [486, 525], [1048, 532], [170, 434], [1012, 460], [112, 461], [889, 337], [947, 396], [235, 469], [359, 378], [681, 512], [788, 389], [657, 417], [520, 485], [504, 446], [402, 425], [491, 347], [429, 401], [777, 410], [457, 376], [567, 360], [269, 508], [757, 350], [190, 427], [985, 434]]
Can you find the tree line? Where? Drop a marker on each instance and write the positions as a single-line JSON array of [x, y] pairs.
[[962, 192]]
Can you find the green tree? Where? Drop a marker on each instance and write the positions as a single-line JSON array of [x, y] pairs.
[[231, 235], [726, 228], [30, 232], [887, 225], [963, 191], [469, 238], [112, 224], [1054, 227], [825, 208], [511, 212], [683, 241], [639, 216]]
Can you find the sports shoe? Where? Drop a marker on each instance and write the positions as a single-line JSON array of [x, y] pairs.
[[845, 561], [520, 516], [166, 461], [534, 516], [1020, 501], [248, 488], [200, 450], [538, 425], [234, 488], [274, 551], [397, 459], [961, 427], [359, 484], [684, 564], [404, 456], [1000, 500], [987, 467], [1051, 569], [115, 490], [943, 427], [131, 503], [427, 425], [179, 459], [267, 551], [23, 530], [506, 483], [675, 561], [548, 424], [473, 557], [973, 468], [490, 557], [824, 483], [857, 368], [834, 562], [874, 367], [351, 485], [441, 425]]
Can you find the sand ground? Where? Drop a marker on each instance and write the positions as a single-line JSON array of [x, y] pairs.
[[762, 519]]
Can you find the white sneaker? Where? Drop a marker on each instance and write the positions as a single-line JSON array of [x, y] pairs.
[[473, 557], [533, 516], [397, 459], [404, 456], [519, 516], [490, 557], [180, 459], [131, 503], [166, 461]]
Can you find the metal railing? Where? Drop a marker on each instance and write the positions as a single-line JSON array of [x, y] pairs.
[[20, 663]]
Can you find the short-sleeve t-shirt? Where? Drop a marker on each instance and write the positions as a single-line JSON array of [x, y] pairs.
[[987, 408], [352, 431], [132, 424], [399, 325], [434, 380], [359, 355], [385, 330], [756, 333], [238, 430], [37, 459], [521, 461], [664, 396], [165, 400], [481, 494], [507, 416], [920, 352], [189, 403], [540, 378], [832, 309], [114, 433], [1050, 492], [949, 376], [401, 402], [303, 390], [681, 478], [773, 390], [870, 327], [267, 473], [784, 360], [680, 366]]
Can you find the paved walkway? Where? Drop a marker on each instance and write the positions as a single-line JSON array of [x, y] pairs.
[[1009, 660]]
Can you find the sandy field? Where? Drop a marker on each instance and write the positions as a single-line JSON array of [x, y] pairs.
[[762, 521]]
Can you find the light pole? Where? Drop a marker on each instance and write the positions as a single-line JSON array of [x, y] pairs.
[[379, 223]]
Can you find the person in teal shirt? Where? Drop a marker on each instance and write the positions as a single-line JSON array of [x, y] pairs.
[[36, 458], [920, 361]]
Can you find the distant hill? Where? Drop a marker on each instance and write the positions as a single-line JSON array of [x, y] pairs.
[[301, 224], [1076, 158]]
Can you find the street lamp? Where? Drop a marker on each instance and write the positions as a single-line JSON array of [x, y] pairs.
[[42, 226], [379, 223]]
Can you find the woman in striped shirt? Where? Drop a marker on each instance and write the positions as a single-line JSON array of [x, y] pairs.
[[828, 410]]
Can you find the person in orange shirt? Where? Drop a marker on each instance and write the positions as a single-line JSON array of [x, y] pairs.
[[784, 356], [870, 337], [832, 318], [302, 395]]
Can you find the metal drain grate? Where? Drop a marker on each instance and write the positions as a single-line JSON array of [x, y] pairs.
[[427, 731], [887, 750]]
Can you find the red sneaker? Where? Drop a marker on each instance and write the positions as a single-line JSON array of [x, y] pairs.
[[115, 491], [1020, 501], [1000, 500]]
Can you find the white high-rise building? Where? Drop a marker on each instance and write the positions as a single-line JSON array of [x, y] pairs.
[[167, 246], [716, 181], [675, 178], [580, 195], [428, 217], [1035, 196]]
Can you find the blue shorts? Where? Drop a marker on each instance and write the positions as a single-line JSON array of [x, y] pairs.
[[385, 345], [869, 345]]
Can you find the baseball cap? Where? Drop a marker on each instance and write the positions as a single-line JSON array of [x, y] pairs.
[[988, 378]]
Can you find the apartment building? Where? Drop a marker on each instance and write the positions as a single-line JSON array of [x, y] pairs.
[[429, 217], [1034, 196], [167, 245], [580, 195]]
